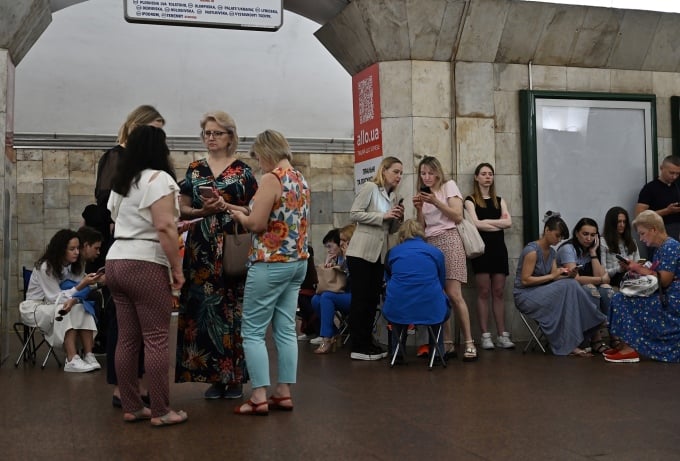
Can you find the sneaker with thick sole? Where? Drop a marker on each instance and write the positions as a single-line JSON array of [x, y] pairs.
[[365, 355], [305, 337], [233, 391], [215, 391], [316, 341], [621, 357], [487, 342], [77, 365], [90, 359], [503, 341], [377, 350]]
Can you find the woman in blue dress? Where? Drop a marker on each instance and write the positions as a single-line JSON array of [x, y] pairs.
[[650, 326], [552, 297]]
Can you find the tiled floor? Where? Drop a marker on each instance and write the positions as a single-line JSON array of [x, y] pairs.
[[507, 406]]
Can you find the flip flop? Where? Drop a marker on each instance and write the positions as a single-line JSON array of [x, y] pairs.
[[139, 415], [166, 419]]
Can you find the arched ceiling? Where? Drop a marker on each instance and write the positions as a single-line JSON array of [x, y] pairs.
[[317, 10]]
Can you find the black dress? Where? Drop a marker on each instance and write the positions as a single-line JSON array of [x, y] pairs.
[[495, 257]]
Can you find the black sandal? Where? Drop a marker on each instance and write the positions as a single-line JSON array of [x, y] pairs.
[[599, 346]]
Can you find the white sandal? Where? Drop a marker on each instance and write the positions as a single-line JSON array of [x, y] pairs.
[[470, 354]]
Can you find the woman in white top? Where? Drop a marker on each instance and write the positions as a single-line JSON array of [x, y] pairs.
[[143, 267], [439, 206], [616, 239], [60, 315]]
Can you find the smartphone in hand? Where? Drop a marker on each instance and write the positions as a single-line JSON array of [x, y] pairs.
[[426, 189], [206, 191], [101, 270], [621, 258]]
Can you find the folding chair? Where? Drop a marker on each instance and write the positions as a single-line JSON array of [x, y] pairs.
[[536, 334], [436, 346], [342, 324], [26, 335]]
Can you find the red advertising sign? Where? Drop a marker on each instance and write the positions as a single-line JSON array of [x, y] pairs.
[[367, 123]]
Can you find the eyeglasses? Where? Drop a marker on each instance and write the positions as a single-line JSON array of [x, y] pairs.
[[216, 134]]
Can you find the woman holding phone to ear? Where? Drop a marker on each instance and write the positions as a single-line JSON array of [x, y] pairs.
[[209, 341], [439, 210]]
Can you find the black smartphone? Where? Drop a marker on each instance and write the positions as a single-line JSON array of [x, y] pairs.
[[101, 270], [622, 259], [401, 201], [425, 189]]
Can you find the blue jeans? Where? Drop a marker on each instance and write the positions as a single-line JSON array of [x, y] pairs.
[[270, 296], [325, 305]]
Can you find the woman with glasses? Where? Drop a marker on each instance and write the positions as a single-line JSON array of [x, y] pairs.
[[209, 341], [552, 297]]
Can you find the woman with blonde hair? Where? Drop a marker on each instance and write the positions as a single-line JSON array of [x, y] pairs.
[[278, 263], [209, 340], [439, 207], [378, 211]]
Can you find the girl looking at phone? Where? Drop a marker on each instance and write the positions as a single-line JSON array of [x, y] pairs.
[[583, 249], [438, 212], [617, 240]]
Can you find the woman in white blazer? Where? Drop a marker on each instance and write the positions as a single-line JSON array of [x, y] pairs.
[[378, 211]]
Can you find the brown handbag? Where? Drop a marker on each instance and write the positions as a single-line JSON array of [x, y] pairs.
[[330, 279], [235, 253]]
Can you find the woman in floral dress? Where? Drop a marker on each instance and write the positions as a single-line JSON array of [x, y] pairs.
[[209, 342]]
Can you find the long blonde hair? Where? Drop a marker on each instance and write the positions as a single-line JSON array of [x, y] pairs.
[[434, 165], [142, 115]]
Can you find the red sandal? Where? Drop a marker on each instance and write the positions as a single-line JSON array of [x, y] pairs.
[[275, 403], [254, 409]]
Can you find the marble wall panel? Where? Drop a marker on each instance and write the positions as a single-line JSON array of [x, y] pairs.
[[29, 155], [321, 211], [320, 161], [508, 153], [30, 180], [557, 36], [396, 89], [474, 95], [431, 89], [31, 237], [481, 34], [664, 53], [343, 160], [663, 117], [321, 180], [55, 164], [631, 81], [398, 137], [665, 84], [55, 217], [448, 34], [518, 42], [549, 78], [424, 22], [510, 188], [81, 183], [595, 37], [81, 160], [506, 104], [510, 77], [77, 204], [57, 193], [343, 181], [342, 200], [664, 147], [29, 208], [341, 219], [475, 143], [579, 79], [387, 26], [634, 39], [431, 136]]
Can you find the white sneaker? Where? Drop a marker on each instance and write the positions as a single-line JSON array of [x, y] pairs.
[[487, 342], [316, 341], [90, 359], [77, 365], [503, 341]]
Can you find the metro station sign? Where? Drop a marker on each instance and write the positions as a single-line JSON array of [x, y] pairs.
[[266, 15]]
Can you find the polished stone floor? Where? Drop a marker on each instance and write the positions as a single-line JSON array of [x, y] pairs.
[[507, 406]]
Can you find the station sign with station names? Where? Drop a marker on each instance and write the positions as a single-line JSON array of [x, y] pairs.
[[229, 14]]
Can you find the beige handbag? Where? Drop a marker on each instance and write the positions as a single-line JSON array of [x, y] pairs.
[[331, 279], [472, 241], [235, 254]]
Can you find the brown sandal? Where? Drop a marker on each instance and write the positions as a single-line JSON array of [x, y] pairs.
[[275, 403], [255, 409]]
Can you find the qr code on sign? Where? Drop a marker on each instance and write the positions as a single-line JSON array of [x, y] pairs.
[[366, 100]]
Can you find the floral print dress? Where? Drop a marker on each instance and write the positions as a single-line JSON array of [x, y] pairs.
[[209, 342]]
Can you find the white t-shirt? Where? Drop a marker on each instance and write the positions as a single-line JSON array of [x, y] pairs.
[[136, 237], [436, 222]]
